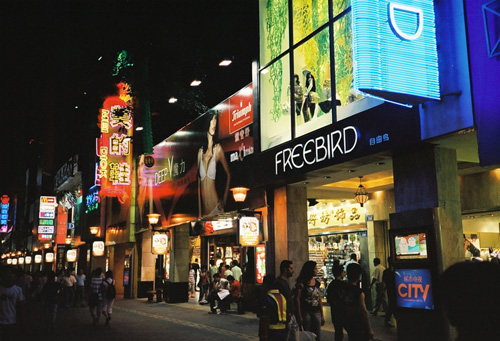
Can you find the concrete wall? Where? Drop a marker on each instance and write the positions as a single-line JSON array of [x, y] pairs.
[[480, 191]]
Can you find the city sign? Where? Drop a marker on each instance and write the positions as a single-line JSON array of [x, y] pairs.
[[394, 49], [414, 288]]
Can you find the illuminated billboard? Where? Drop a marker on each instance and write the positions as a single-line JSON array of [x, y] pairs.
[[414, 289], [4, 214]]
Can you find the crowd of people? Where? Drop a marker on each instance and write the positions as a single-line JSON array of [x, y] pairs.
[[51, 292]]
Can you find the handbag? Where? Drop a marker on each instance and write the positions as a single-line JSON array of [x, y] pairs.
[[305, 335]]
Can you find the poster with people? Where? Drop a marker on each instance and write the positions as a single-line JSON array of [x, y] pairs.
[[193, 169]]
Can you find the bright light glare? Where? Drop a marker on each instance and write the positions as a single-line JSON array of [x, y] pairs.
[[225, 62], [195, 83], [172, 99], [264, 71], [139, 128]]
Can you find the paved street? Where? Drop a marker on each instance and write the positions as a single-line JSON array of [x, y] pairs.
[[138, 319]]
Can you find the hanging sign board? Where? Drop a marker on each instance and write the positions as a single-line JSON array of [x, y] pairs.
[[249, 231], [71, 256], [98, 249], [49, 257], [159, 244]]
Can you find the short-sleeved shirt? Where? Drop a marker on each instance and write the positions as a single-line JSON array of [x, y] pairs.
[[9, 298], [80, 280], [284, 289], [378, 273], [68, 282], [236, 270], [310, 298], [97, 286]]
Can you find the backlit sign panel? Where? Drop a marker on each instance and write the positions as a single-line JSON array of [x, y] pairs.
[[45, 229], [249, 231], [38, 259], [98, 248], [71, 256], [4, 214], [159, 243], [414, 288], [394, 49], [49, 257]]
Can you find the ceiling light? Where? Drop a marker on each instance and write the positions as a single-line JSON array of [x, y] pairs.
[[225, 62], [172, 100], [195, 82], [139, 128], [361, 195]]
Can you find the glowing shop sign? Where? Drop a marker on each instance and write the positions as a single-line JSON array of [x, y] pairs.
[[335, 216], [38, 259], [49, 257], [394, 49], [92, 201], [98, 249], [4, 214], [114, 147], [159, 243], [249, 231], [45, 229], [71, 256], [414, 288], [27, 259]]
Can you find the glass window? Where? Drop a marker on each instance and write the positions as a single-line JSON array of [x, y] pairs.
[[344, 87], [312, 84], [339, 6], [308, 15], [275, 104], [273, 24]]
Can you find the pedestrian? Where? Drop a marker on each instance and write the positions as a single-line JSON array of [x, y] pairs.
[[236, 270], [227, 271], [356, 320], [203, 285], [286, 272], [50, 294], [196, 268], [11, 305], [68, 282], [80, 288], [379, 286], [272, 312], [471, 297], [212, 270], [95, 297], [308, 299], [191, 282], [389, 280], [334, 295], [109, 294], [353, 259]]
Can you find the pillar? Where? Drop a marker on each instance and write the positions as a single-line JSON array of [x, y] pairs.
[[290, 227]]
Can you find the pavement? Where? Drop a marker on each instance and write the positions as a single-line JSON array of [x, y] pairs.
[[136, 319]]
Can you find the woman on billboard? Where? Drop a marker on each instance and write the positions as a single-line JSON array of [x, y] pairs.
[[209, 156]]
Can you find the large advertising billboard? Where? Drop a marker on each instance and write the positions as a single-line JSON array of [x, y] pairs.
[[193, 168]]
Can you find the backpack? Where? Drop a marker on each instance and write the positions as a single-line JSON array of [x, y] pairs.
[[111, 291]]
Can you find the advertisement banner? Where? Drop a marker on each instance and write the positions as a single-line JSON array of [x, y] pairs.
[[260, 263], [194, 168], [414, 288], [249, 231], [71, 256], [336, 216], [159, 244]]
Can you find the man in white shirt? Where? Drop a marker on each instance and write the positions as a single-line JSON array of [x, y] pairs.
[[379, 286], [236, 270]]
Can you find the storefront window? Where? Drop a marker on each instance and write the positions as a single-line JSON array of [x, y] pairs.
[[275, 103], [312, 84], [344, 86], [273, 24], [308, 15]]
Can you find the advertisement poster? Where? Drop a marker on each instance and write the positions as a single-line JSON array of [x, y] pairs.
[[249, 231], [260, 263], [126, 277], [159, 243], [98, 249], [414, 288], [195, 167], [411, 246]]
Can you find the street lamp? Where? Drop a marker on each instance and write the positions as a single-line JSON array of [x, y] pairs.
[[153, 218], [94, 230], [239, 193]]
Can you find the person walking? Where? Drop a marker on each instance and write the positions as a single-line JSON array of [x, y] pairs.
[[196, 268], [334, 295], [109, 294], [203, 285], [389, 280], [80, 288], [379, 286], [95, 297], [11, 305], [68, 282], [50, 294], [356, 320], [272, 313], [286, 272], [308, 299], [191, 281]]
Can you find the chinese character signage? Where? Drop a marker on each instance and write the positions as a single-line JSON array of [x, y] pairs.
[[414, 288], [195, 167], [4, 214], [394, 49], [336, 216], [249, 231], [159, 243], [114, 148]]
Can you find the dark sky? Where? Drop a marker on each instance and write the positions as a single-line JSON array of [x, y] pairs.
[[50, 64]]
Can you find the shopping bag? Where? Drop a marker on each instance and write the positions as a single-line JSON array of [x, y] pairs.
[[305, 335]]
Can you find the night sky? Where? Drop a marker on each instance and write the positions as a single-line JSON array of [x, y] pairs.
[[60, 54]]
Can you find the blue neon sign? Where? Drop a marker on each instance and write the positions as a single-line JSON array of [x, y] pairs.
[[394, 47]]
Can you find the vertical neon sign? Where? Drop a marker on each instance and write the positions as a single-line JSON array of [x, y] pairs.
[[4, 214]]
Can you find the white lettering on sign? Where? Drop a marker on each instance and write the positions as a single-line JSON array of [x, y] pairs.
[[237, 114], [316, 150], [162, 175]]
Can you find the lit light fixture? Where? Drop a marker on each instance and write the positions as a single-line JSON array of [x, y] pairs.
[[67, 240], [172, 100], [153, 218], [46, 245], [35, 249], [94, 230], [239, 193], [139, 128], [195, 82], [361, 195], [225, 62]]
